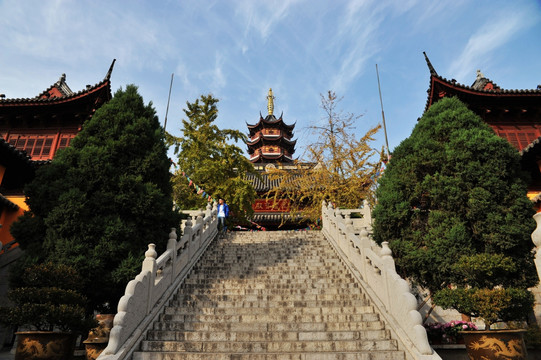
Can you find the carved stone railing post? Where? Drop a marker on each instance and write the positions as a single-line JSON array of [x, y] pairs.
[[536, 238], [147, 294], [374, 267], [149, 264], [172, 246]]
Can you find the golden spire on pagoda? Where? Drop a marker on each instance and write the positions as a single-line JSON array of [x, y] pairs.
[[270, 105]]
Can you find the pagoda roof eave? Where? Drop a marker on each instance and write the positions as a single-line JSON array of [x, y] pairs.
[[268, 121], [272, 140]]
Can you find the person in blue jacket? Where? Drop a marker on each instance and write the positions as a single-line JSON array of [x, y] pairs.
[[223, 213]]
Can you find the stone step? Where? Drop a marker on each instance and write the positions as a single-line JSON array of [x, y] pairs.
[[266, 346], [268, 304], [262, 326], [232, 272], [270, 280], [360, 355], [182, 298], [270, 285], [279, 295], [271, 318], [265, 291], [266, 310], [253, 336]]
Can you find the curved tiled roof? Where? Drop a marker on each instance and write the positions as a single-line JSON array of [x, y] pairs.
[[9, 150], [63, 89], [534, 146], [477, 88], [5, 202], [263, 183], [278, 141], [270, 120]]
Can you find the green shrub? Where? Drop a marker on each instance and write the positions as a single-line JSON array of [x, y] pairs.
[[48, 300], [452, 204]]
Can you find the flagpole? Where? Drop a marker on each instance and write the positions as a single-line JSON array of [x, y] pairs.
[[383, 114], [168, 98]]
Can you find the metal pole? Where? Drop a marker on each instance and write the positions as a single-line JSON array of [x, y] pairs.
[[383, 114], [169, 98]]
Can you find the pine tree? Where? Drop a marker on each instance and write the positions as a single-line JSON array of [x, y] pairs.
[[206, 157], [102, 200]]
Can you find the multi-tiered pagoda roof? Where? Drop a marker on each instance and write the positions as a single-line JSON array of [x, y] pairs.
[[270, 138]]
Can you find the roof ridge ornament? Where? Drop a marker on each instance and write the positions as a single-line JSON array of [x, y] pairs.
[[480, 75], [430, 67], [270, 104], [108, 75]]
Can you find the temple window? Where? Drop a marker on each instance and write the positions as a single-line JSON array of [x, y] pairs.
[[37, 146]]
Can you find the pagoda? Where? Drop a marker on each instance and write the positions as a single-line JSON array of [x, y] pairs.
[[270, 139], [45, 123], [514, 115], [270, 146]]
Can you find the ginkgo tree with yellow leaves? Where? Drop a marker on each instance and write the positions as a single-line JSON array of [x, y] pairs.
[[339, 167]]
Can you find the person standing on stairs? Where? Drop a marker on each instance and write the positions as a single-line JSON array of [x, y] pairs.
[[223, 213]]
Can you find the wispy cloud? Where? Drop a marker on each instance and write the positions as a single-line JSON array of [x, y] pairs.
[[218, 76], [356, 41], [491, 36], [263, 16]]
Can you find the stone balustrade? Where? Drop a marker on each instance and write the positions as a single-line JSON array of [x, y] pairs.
[[160, 277], [374, 267]]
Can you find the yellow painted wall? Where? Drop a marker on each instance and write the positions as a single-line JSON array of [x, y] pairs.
[[9, 216]]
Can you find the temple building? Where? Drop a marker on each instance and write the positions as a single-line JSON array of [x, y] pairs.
[[270, 146], [514, 115], [32, 130], [43, 124]]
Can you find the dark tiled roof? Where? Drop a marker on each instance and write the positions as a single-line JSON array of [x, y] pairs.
[[263, 184], [10, 151], [267, 140], [7, 203], [271, 120], [63, 88], [8, 154], [534, 146], [477, 87]]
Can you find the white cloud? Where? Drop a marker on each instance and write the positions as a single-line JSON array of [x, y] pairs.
[[356, 41], [491, 36], [263, 16]]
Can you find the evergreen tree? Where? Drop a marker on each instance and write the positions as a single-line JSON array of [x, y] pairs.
[[213, 164], [452, 204], [102, 200]]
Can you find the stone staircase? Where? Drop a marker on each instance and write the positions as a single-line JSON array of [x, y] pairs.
[[269, 295]]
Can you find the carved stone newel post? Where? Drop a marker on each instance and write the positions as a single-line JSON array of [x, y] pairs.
[[536, 238]]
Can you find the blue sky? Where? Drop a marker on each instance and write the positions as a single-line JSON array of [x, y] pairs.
[[237, 50]]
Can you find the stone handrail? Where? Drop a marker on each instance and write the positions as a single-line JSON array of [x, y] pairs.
[[160, 277], [374, 267]]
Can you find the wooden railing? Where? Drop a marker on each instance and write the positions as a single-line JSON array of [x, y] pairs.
[[160, 277], [374, 267]]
